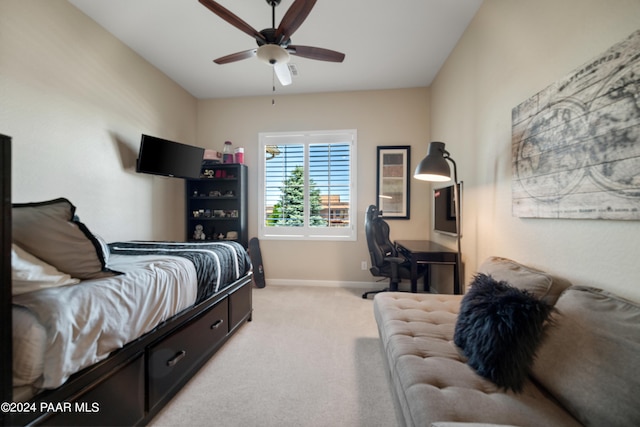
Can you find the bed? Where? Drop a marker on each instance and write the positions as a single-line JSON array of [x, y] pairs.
[[106, 334]]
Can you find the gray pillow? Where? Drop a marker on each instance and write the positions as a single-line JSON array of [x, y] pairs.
[[590, 358], [50, 231], [543, 285]]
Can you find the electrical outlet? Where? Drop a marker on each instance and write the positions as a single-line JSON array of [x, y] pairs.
[[363, 265]]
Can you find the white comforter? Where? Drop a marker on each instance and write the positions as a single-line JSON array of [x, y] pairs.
[[79, 325]]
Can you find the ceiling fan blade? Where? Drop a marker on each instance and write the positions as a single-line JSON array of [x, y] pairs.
[[317, 53], [282, 71], [238, 56], [232, 19], [294, 17]]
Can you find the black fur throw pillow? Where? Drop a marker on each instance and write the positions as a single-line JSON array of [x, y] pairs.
[[498, 329]]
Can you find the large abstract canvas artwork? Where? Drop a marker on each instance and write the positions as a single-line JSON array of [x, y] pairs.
[[576, 144]]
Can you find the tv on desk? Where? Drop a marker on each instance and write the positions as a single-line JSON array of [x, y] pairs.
[[444, 209], [159, 156]]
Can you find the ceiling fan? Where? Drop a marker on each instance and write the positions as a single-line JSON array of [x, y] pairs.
[[274, 44]]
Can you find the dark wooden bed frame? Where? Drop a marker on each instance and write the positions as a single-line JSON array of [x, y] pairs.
[[134, 383]]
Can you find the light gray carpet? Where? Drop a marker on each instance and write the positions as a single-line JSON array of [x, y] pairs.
[[311, 357]]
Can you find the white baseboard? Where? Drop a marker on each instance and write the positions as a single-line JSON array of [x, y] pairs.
[[327, 283]]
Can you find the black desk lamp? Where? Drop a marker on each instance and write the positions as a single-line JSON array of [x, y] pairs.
[[434, 167]]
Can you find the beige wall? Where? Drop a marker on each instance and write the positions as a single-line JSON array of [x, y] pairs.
[[75, 100], [512, 50], [393, 117]]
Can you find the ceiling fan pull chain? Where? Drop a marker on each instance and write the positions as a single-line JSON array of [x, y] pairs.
[[273, 83]]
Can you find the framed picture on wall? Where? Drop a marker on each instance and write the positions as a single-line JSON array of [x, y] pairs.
[[392, 188]]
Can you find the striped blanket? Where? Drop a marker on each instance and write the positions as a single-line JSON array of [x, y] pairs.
[[218, 264]]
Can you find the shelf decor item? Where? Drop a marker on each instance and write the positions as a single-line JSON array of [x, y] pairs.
[[239, 155], [212, 157], [227, 152], [198, 234]]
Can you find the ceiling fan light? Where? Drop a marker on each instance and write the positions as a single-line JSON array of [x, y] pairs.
[[273, 54], [283, 73]]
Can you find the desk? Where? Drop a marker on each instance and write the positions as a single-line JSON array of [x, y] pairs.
[[428, 252]]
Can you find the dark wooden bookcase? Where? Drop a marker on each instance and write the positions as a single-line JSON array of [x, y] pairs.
[[218, 202]]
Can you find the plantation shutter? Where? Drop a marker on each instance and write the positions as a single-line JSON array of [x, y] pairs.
[[308, 185]]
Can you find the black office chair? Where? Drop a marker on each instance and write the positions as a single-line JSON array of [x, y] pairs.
[[385, 260]]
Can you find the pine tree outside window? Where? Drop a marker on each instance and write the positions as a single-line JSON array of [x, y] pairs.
[[307, 185]]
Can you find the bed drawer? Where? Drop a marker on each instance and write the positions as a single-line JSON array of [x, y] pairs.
[[116, 401], [240, 304], [172, 361]]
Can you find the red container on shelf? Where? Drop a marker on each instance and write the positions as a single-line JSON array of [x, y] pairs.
[[239, 155]]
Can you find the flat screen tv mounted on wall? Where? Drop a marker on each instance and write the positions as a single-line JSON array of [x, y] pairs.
[[167, 158], [444, 212]]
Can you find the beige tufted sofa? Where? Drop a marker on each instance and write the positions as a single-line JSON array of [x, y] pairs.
[[587, 370]]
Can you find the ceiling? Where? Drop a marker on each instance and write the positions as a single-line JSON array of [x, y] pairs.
[[388, 44]]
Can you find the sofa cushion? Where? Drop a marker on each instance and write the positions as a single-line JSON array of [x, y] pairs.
[[50, 231], [498, 329], [543, 285], [431, 381], [590, 358]]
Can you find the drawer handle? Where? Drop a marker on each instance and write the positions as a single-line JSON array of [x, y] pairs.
[[179, 355], [217, 324]]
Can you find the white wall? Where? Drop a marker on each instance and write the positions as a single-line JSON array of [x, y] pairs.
[[512, 50], [393, 117], [76, 100]]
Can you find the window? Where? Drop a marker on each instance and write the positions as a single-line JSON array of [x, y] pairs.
[[307, 185]]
